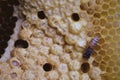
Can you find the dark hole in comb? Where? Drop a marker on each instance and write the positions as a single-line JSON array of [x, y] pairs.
[[47, 67], [75, 17], [41, 15], [21, 43], [85, 67]]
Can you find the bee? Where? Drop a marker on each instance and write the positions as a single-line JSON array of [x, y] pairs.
[[89, 50]]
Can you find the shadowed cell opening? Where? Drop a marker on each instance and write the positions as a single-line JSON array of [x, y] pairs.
[[21, 43], [85, 67], [47, 67]]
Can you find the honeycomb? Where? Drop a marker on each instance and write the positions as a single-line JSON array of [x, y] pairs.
[[54, 36]]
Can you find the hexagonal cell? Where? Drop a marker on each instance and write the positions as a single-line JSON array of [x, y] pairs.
[[118, 2], [118, 9], [90, 33], [111, 11], [105, 46], [98, 2], [97, 8], [108, 25], [118, 30], [111, 63], [103, 22], [97, 28], [98, 58], [105, 6], [116, 24], [106, 58], [116, 68], [83, 6], [102, 52], [108, 38], [102, 67], [103, 62], [113, 3], [113, 44], [96, 22], [97, 47], [117, 16], [90, 11], [109, 69], [112, 32], [114, 56], [98, 34], [116, 38], [110, 18], [97, 15], [104, 32], [101, 41], [110, 51], [104, 13], [95, 63]]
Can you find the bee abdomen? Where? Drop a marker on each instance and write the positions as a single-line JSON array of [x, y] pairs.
[[88, 53]]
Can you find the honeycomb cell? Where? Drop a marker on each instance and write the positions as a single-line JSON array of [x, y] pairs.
[[96, 22], [83, 6], [118, 9], [116, 38], [109, 51], [104, 13], [118, 1], [102, 52], [75, 17], [110, 18], [108, 38], [102, 67], [98, 2], [98, 34], [90, 11], [112, 32], [103, 62], [105, 46], [114, 56], [90, 33], [111, 63], [108, 26], [97, 47], [106, 58], [98, 58], [47, 67], [109, 69], [115, 68], [105, 6], [111, 11], [102, 22], [97, 15], [95, 63], [116, 24], [113, 3], [97, 28], [85, 67], [117, 16], [118, 31], [104, 32], [101, 41]]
